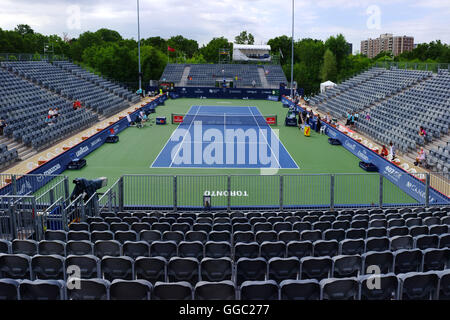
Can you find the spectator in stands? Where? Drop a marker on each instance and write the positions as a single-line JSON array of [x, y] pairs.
[[392, 151], [420, 157], [56, 113], [422, 132], [384, 151], [368, 116], [48, 120], [3, 125], [356, 117], [76, 104], [349, 119], [51, 113]]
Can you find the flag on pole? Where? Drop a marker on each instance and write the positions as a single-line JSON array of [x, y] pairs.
[[170, 49]]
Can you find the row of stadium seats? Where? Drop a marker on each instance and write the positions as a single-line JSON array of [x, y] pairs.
[[215, 246], [205, 75], [7, 156], [398, 119], [410, 286], [70, 86], [253, 279], [25, 107]]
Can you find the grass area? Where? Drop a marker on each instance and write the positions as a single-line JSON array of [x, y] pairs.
[[138, 148]]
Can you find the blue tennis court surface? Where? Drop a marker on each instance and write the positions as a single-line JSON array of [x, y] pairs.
[[224, 137]]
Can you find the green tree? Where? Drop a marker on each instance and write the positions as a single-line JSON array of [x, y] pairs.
[[244, 38], [338, 46], [282, 44], [184, 46], [211, 51], [329, 67], [23, 29]]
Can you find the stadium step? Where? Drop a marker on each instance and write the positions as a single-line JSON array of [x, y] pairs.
[[186, 72], [262, 77]]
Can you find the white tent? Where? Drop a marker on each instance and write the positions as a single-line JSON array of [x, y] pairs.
[[326, 85]]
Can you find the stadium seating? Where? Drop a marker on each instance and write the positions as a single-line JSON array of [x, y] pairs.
[[28, 89], [7, 156], [327, 259], [399, 101], [205, 75]]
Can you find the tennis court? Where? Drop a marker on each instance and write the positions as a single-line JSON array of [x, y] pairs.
[[224, 137]]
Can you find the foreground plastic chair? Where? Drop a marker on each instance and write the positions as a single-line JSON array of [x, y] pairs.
[[259, 290], [172, 291], [130, 290], [42, 290], [300, 290], [224, 290], [89, 289]]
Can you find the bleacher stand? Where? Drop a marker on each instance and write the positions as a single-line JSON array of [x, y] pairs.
[[267, 255], [7, 156], [206, 75]]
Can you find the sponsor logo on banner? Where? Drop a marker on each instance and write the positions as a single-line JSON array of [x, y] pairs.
[[392, 172], [331, 133], [213, 90], [235, 91], [25, 187], [272, 98], [96, 141], [199, 91], [251, 91], [52, 170], [363, 156], [351, 146], [416, 189], [234, 193], [82, 151]]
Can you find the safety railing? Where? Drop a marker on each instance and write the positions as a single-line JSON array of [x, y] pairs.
[[18, 217], [265, 191]]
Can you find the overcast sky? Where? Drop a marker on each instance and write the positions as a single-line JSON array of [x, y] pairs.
[[202, 20]]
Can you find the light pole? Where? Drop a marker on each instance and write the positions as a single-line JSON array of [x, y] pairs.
[[139, 49], [292, 53]]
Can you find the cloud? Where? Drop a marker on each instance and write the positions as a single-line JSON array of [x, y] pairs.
[[204, 19]]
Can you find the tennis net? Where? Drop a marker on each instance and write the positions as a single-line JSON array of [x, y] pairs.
[[225, 119]]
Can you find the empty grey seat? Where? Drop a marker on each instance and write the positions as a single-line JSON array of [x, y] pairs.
[[183, 269], [378, 287], [172, 291], [9, 289], [300, 290], [152, 269], [79, 248], [87, 265], [134, 249], [107, 248], [42, 290], [15, 266], [117, 268], [346, 266], [130, 290], [224, 290], [48, 267], [418, 286], [283, 269], [259, 290], [216, 269], [46, 247], [89, 289], [28, 247], [250, 270], [339, 289]]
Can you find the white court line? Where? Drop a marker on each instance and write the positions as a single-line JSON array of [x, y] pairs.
[[279, 165], [173, 132], [182, 141]]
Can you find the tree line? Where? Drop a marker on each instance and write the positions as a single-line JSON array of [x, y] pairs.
[[107, 53]]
